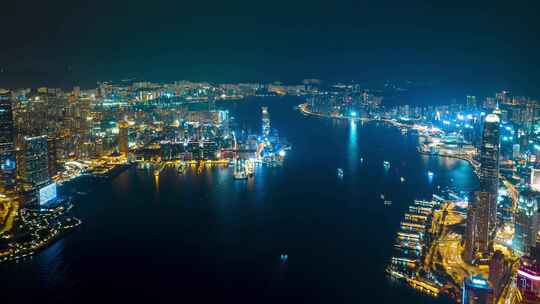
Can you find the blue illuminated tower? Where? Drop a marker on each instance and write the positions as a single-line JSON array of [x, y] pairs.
[[7, 136], [265, 122], [35, 161], [486, 197]]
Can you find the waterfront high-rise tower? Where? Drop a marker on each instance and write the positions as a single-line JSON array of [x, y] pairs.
[[7, 137], [486, 197], [265, 122], [35, 161], [123, 146]]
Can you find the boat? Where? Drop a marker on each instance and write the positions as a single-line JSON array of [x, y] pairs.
[[239, 170], [382, 196], [430, 174], [240, 175], [402, 179], [340, 172], [386, 164], [387, 202]]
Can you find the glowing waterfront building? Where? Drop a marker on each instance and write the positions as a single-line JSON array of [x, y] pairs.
[[7, 137], [265, 122], [123, 146], [35, 161], [486, 197]]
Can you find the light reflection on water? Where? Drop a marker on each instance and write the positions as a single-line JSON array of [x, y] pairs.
[[203, 228], [352, 151]]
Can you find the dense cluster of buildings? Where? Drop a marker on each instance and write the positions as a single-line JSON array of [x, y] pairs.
[[49, 136], [500, 137]]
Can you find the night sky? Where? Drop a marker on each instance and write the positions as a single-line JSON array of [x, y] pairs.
[[477, 47]]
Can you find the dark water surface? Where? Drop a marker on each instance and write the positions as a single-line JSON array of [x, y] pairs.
[[203, 237]]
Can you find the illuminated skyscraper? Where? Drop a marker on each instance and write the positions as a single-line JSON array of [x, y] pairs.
[[498, 271], [123, 146], [51, 149], [528, 280], [535, 179], [470, 236], [265, 122], [486, 197], [35, 161], [476, 290], [471, 102], [7, 137], [526, 226]]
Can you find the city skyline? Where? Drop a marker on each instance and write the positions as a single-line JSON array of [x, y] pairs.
[[304, 151], [488, 47]]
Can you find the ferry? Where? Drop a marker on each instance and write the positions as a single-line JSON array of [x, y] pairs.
[[240, 175], [239, 170]]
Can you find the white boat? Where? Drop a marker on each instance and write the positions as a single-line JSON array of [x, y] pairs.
[[402, 179], [239, 170], [240, 175], [340, 172], [386, 164], [430, 174]]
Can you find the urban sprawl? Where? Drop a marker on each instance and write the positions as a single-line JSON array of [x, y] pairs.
[[478, 247]]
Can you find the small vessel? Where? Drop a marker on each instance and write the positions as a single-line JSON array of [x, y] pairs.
[[382, 197], [387, 202], [340, 172], [239, 170], [402, 179], [386, 164], [430, 174], [240, 174], [361, 159], [284, 257]]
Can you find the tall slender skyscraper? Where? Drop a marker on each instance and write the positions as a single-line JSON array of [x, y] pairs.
[[123, 133], [35, 161], [485, 205], [265, 122], [7, 137], [526, 222], [489, 183]]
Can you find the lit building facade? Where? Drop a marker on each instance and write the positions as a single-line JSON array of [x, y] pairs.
[[528, 280], [526, 222], [265, 122], [35, 161], [476, 290], [123, 137], [7, 137], [486, 197]]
